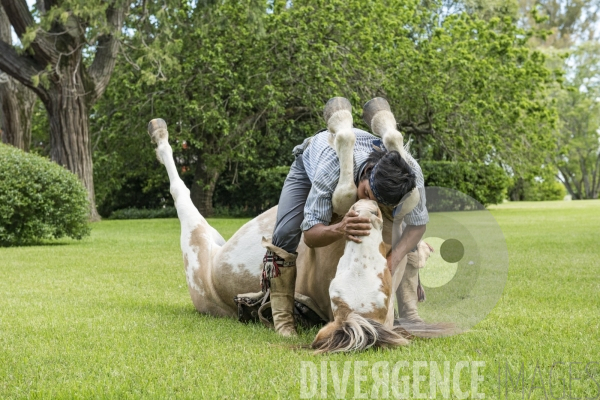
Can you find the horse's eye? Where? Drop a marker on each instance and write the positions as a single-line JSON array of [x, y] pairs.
[[374, 212]]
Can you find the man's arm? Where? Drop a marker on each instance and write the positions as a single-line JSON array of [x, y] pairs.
[[351, 227], [408, 241]]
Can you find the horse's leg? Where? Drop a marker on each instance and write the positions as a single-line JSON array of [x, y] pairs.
[[378, 115], [338, 116], [199, 241]]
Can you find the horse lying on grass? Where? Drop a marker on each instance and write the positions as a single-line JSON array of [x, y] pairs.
[[345, 284]]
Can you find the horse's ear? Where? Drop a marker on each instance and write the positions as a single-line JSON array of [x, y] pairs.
[[377, 220]]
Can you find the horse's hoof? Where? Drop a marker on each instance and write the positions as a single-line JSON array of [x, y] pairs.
[[157, 129], [334, 105], [372, 107]]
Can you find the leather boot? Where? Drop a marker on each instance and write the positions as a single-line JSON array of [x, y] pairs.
[[279, 275], [282, 301]]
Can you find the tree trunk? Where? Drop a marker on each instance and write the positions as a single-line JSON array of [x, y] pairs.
[[17, 111], [16, 101], [203, 188], [516, 193], [53, 67], [68, 113]]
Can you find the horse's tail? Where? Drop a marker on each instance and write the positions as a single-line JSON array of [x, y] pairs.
[[425, 329], [356, 333]]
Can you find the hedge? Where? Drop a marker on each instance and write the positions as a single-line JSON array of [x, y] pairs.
[[141, 213], [39, 199], [486, 183]]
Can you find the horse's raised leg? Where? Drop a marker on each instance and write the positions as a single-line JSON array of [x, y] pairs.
[[199, 241], [338, 116], [378, 115]]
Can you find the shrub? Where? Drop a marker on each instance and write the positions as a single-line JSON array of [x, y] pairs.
[[39, 199], [536, 189], [141, 213], [486, 183]]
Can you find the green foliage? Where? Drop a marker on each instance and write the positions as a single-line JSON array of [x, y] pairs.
[[130, 180], [39, 199], [242, 86], [565, 23], [473, 91], [40, 131], [546, 190], [486, 183], [249, 191], [578, 136], [141, 213]]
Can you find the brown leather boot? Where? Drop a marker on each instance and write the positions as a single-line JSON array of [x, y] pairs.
[[279, 275], [282, 301]]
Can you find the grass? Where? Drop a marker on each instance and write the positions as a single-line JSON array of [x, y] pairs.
[[111, 317]]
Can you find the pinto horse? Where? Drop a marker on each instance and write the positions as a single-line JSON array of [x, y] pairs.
[[357, 301]]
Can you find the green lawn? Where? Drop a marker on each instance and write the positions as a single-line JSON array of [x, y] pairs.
[[111, 317]]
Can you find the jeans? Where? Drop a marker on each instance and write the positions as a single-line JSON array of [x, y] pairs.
[[290, 213]]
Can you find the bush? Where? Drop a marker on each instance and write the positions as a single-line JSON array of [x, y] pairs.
[[545, 191], [486, 183], [141, 213], [39, 199], [536, 189]]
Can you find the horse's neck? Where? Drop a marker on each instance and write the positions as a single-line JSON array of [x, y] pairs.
[[354, 252]]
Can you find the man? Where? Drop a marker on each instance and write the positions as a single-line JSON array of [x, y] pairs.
[[305, 206]]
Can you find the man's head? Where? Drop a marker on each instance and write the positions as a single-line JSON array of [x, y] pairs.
[[386, 178]]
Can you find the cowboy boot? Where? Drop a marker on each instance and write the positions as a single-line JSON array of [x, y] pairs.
[[410, 291], [279, 275]]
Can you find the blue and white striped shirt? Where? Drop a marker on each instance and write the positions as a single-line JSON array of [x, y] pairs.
[[323, 169]]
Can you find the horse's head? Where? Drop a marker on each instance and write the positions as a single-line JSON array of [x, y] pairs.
[[369, 209], [361, 294]]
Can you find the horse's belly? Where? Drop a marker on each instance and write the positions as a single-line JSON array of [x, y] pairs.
[[238, 266]]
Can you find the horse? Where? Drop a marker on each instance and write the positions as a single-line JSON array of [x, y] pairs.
[[358, 316]]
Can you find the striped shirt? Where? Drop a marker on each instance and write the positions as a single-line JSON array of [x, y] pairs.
[[323, 169]]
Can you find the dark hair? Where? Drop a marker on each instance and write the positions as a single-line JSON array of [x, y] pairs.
[[394, 177]]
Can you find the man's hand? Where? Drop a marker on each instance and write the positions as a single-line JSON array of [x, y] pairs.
[[410, 238], [352, 226]]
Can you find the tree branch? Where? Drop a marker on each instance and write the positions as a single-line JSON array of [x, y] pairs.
[[565, 181], [5, 33], [411, 127], [107, 49], [22, 68], [21, 19], [19, 15], [45, 5]]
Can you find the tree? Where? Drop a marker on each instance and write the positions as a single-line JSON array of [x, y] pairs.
[[244, 85], [566, 21], [474, 91], [55, 67], [16, 101], [578, 137]]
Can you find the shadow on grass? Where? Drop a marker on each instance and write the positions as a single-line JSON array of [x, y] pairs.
[[41, 243]]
